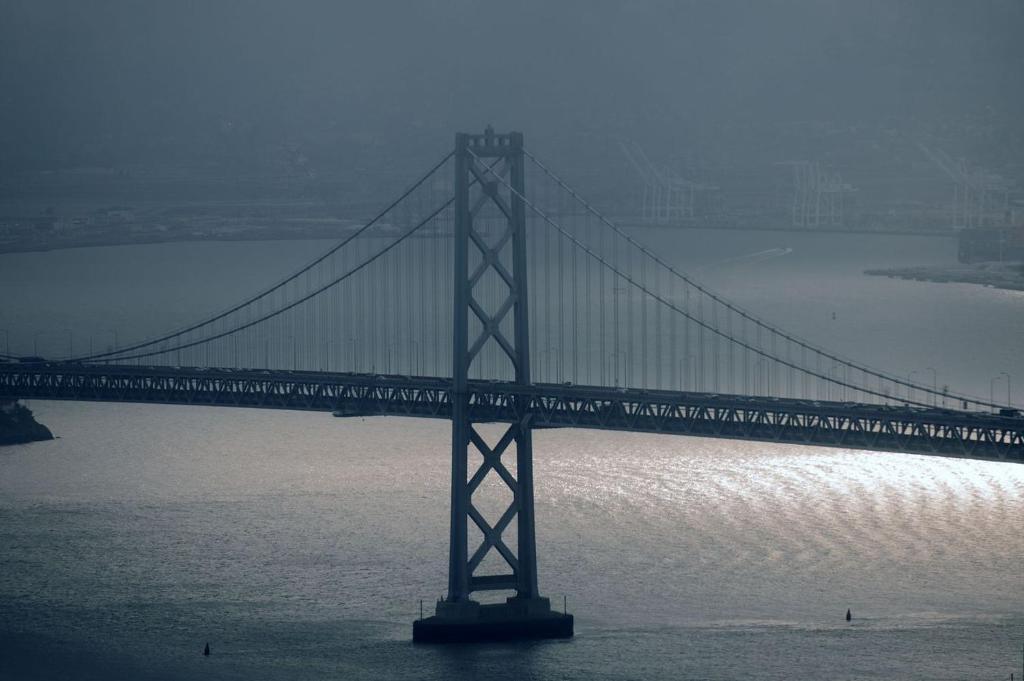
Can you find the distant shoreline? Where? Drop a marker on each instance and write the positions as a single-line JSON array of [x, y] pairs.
[[792, 229], [151, 238], [1008, 276], [156, 239], [148, 240]]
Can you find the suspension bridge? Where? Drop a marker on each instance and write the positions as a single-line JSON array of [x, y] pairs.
[[490, 291]]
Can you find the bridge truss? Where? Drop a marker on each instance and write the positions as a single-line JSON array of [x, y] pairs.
[[831, 424]]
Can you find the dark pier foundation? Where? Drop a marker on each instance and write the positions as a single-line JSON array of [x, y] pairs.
[[514, 620]]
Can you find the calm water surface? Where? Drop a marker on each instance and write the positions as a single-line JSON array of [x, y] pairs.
[[300, 545]]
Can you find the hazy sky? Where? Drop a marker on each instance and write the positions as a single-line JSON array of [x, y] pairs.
[[120, 81]]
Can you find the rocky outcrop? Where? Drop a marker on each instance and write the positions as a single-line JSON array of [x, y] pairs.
[[18, 426]]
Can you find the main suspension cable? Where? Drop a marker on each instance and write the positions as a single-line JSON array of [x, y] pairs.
[[895, 380], [295, 303], [284, 308], [628, 278], [117, 352]]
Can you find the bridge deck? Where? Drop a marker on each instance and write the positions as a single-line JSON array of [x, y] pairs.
[[944, 432]]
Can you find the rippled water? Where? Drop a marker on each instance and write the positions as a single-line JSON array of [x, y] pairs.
[[300, 545]]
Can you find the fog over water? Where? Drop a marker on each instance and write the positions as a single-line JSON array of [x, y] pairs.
[[300, 544]]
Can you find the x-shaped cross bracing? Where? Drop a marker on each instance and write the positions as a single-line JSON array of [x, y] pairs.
[[491, 259], [492, 534]]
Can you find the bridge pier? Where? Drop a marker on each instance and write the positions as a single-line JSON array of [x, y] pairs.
[[526, 615], [515, 619]]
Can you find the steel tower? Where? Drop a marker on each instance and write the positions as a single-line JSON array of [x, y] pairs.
[[490, 169]]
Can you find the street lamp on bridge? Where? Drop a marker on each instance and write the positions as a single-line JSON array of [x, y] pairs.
[[684, 370], [935, 383], [414, 362], [613, 359], [836, 380], [992, 388], [552, 354], [766, 372], [910, 385]]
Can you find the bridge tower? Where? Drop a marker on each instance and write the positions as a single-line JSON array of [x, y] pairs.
[[489, 171]]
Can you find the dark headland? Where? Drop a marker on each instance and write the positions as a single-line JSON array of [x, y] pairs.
[[18, 426]]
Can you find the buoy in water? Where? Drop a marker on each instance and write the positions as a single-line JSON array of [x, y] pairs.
[[206, 650], [848, 616]]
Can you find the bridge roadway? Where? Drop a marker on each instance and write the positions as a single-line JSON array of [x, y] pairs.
[[945, 432]]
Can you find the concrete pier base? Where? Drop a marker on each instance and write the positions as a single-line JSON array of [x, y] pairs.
[[515, 619]]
